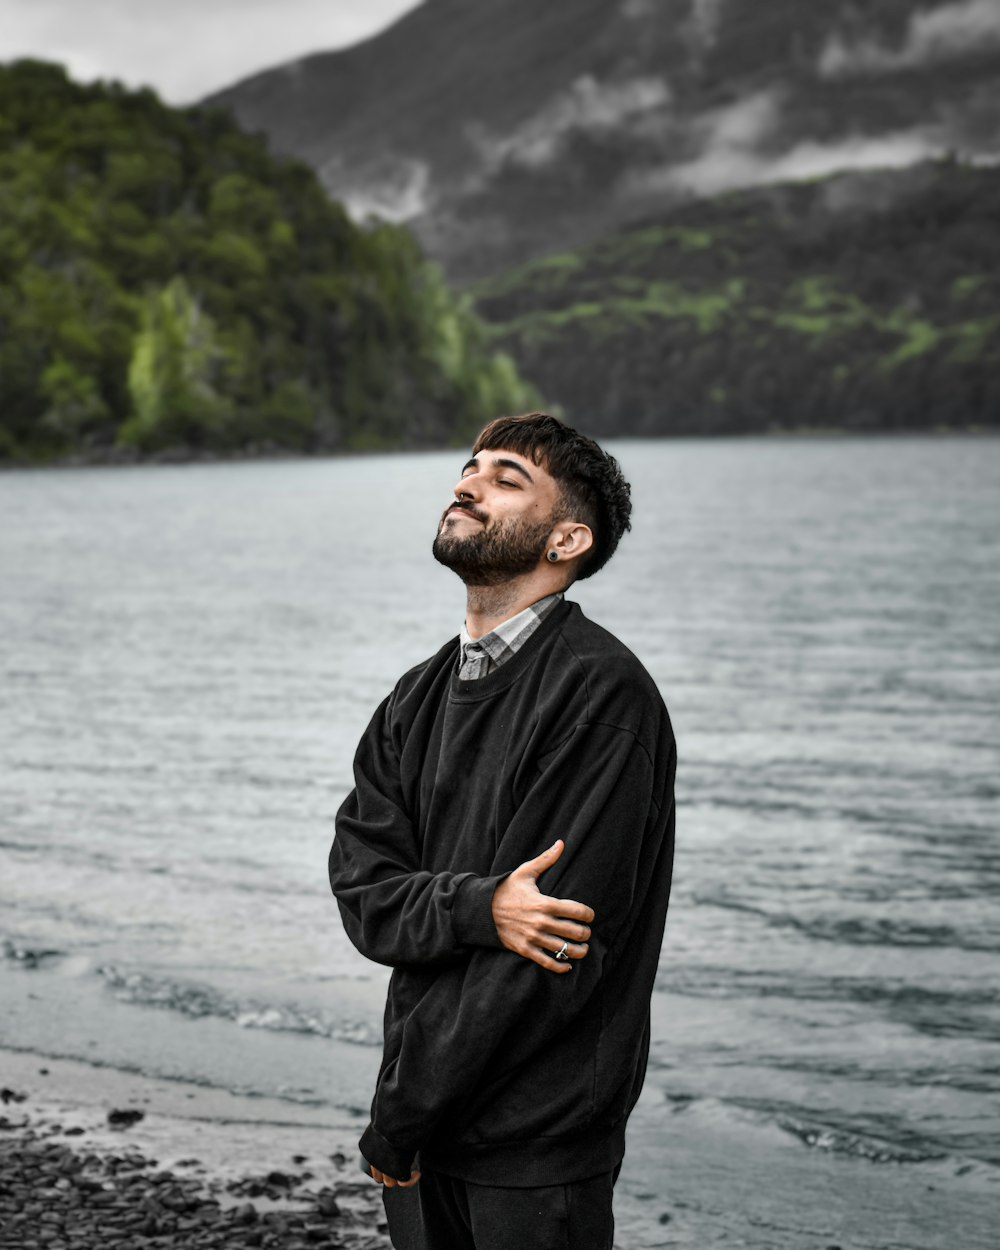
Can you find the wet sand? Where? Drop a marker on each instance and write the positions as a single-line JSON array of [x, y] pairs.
[[205, 1168]]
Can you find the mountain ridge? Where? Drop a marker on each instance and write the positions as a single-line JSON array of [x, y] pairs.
[[502, 132]]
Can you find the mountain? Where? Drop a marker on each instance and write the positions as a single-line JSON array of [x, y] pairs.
[[502, 131], [168, 286], [865, 301]]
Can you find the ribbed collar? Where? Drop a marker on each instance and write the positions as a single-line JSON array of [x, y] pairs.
[[479, 657], [502, 678]]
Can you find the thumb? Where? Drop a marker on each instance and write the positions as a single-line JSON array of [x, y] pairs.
[[541, 863]]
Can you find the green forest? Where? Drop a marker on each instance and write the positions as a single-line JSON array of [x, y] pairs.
[[168, 286], [864, 301]]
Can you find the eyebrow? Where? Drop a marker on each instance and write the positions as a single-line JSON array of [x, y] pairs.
[[501, 462]]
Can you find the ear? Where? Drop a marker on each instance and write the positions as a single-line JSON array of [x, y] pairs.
[[570, 540]]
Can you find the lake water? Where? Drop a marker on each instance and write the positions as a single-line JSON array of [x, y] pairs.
[[189, 655]]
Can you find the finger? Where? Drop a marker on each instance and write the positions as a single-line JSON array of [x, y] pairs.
[[568, 908], [376, 1174], [545, 960], [575, 950], [414, 1177], [389, 1181], [566, 929], [542, 863]]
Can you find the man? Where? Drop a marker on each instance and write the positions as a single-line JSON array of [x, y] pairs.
[[507, 850]]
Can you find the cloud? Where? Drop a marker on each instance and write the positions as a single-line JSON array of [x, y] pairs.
[[728, 141], [742, 125], [932, 36], [738, 147], [586, 105], [389, 188], [188, 48], [720, 171]]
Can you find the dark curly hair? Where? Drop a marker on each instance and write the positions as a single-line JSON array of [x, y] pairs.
[[590, 481]]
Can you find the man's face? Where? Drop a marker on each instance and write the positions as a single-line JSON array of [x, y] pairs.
[[498, 526]]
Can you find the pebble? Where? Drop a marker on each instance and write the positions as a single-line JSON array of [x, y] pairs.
[[247, 1213], [328, 1205], [125, 1117], [54, 1197]]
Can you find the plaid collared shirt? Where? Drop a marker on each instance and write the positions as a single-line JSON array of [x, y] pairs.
[[482, 656]]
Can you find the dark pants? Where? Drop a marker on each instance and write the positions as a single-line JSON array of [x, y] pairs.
[[442, 1213]]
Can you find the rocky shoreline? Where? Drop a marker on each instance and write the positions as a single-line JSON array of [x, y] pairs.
[[60, 1189]]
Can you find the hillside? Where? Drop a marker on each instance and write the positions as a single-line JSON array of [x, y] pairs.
[[508, 130], [167, 285], [862, 301]]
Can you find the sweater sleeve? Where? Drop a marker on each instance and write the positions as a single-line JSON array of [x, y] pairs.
[[497, 1009], [394, 911]]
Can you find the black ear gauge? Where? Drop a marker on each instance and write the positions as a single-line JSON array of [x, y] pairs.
[[553, 556]]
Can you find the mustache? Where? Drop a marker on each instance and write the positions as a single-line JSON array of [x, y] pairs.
[[470, 508]]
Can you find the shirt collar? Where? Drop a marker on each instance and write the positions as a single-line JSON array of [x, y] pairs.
[[510, 635]]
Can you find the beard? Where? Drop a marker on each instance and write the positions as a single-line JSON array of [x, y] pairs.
[[493, 554]]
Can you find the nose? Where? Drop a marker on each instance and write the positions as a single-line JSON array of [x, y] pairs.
[[468, 487]]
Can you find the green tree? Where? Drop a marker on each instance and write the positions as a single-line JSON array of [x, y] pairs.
[[74, 405], [172, 376]]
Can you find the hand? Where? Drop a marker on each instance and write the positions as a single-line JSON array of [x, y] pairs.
[[390, 1182], [532, 924]]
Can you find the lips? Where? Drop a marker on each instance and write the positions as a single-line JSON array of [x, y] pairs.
[[463, 510]]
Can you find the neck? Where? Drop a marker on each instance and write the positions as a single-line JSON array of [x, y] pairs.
[[489, 606]]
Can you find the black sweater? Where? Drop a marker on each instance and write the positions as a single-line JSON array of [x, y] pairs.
[[496, 1070]]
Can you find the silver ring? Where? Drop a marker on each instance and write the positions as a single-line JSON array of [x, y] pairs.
[[561, 953]]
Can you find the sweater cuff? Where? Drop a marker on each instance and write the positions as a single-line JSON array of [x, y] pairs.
[[389, 1159], [472, 911]]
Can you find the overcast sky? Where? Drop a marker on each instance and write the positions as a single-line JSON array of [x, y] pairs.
[[185, 49]]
